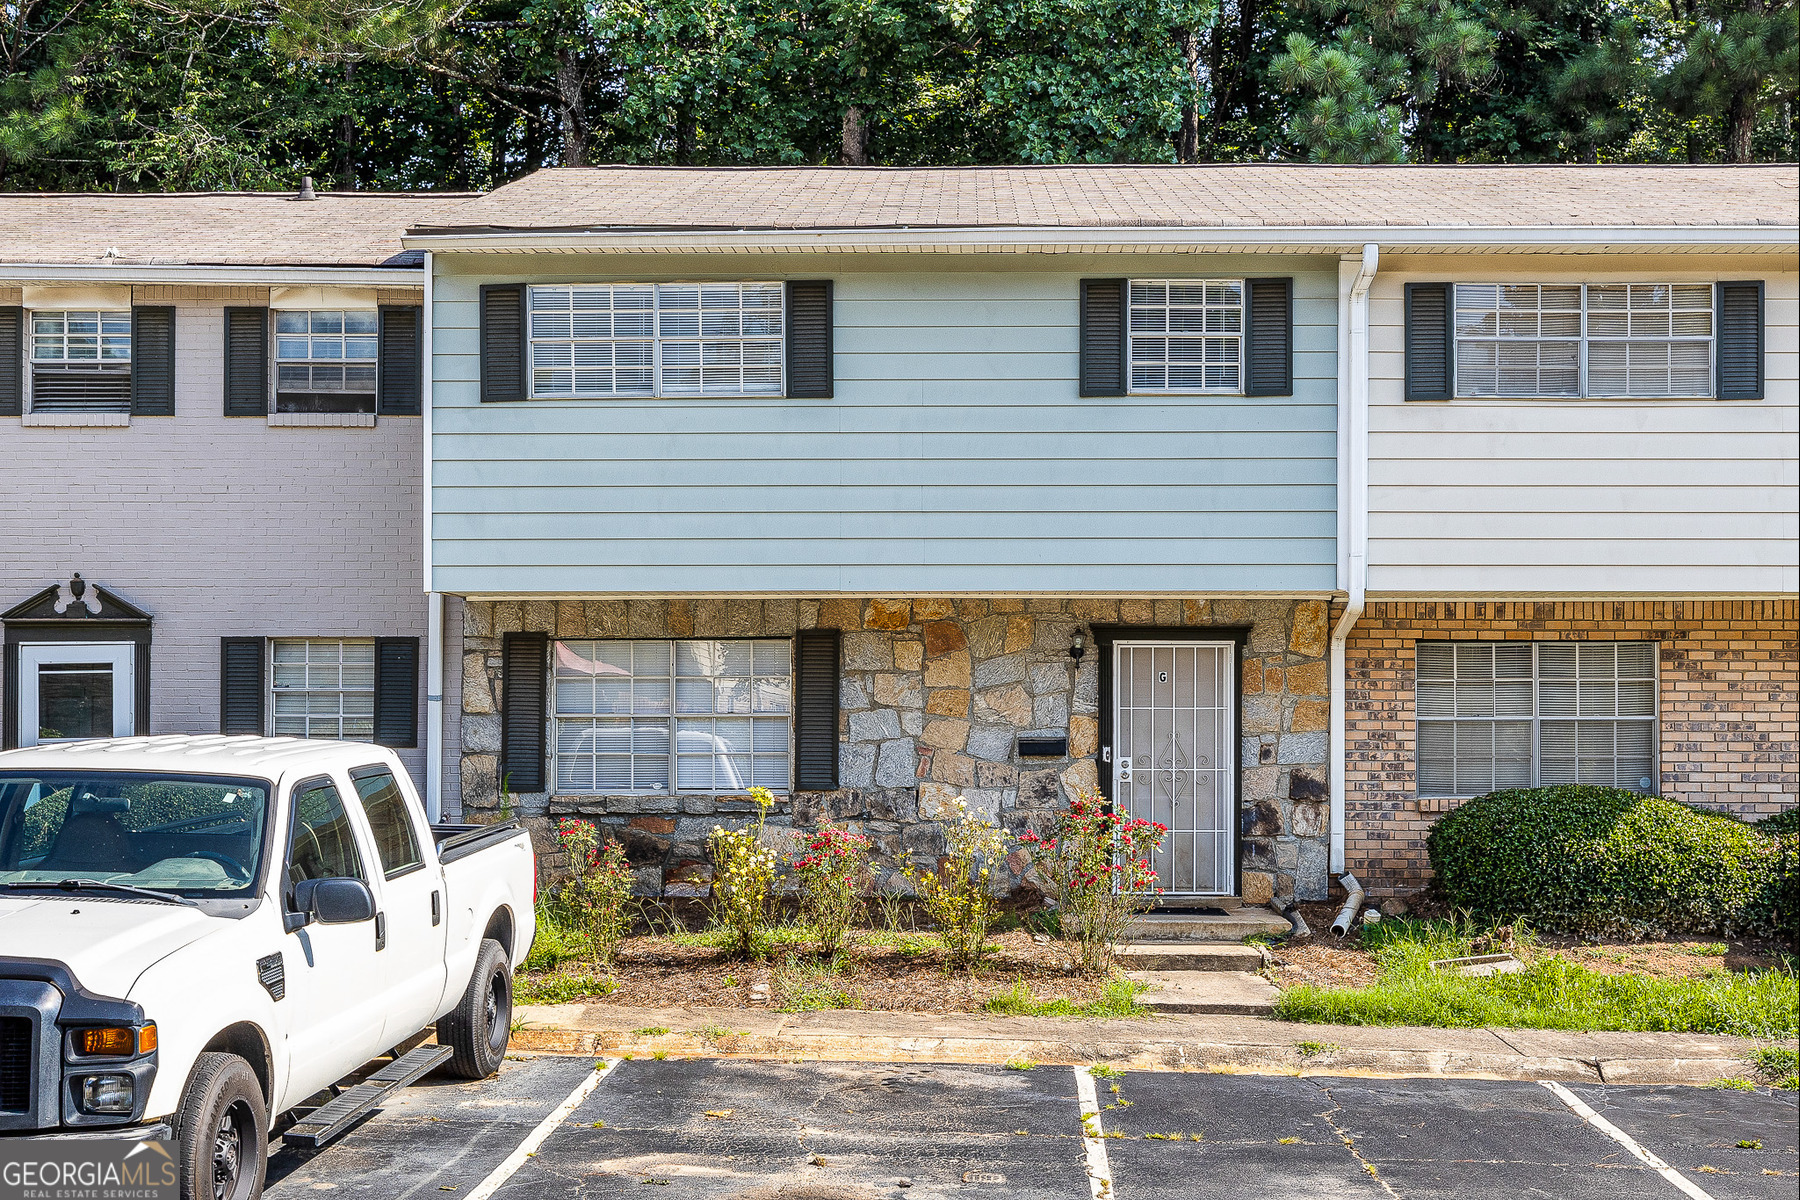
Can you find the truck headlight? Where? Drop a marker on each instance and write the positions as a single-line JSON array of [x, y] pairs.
[[115, 1041], [108, 1093]]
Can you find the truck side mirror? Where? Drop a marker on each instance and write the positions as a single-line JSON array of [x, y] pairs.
[[334, 901]]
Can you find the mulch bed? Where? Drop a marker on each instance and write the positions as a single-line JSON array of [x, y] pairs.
[[656, 972], [1326, 961]]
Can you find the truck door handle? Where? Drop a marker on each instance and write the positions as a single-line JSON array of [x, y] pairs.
[[380, 931], [437, 909]]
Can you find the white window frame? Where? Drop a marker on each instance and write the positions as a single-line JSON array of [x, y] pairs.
[[1539, 718], [275, 690], [578, 721], [657, 340], [372, 362], [1242, 334], [1587, 339]]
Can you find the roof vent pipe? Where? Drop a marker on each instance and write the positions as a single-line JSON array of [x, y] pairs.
[[306, 189]]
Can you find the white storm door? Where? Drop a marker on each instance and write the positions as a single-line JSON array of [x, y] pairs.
[[71, 690], [1173, 729]]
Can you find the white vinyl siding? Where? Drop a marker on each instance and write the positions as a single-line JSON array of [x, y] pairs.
[[1497, 715], [1528, 340], [322, 688], [1187, 335], [711, 715], [688, 339]]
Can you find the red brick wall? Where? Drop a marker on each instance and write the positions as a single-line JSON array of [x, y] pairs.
[[1729, 700]]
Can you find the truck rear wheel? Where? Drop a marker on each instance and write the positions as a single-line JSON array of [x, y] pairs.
[[478, 1029], [222, 1129]]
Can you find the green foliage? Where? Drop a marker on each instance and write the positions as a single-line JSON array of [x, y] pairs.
[[1780, 1065], [1786, 821], [743, 876], [1550, 993], [1097, 871], [832, 872], [563, 988], [597, 895], [958, 893], [1586, 858], [809, 986], [1118, 998]]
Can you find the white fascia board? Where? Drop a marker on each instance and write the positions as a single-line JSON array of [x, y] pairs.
[[239, 276], [1708, 239]]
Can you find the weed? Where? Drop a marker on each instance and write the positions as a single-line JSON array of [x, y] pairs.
[[1708, 950], [1287, 1141], [659, 1055], [1019, 1063], [650, 1031], [1733, 1085], [1105, 1071], [1750, 1144], [713, 1033], [1780, 1065], [803, 986], [1310, 1049], [560, 989]]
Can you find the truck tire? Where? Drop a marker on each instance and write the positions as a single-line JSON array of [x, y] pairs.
[[222, 1129], [480, 1025]]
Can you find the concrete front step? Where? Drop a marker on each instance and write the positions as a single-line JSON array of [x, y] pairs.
[[1223, 992], [1191, 956], [1237, 923]]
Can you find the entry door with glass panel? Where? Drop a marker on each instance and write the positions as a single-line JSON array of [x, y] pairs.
[[70, 690], [1173, 729]]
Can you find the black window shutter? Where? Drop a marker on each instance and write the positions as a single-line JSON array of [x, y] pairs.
[[1269, 344], [522, 670], [241, 685], [12, 361], [153, 361], [1740, 340], [1103, 310], [397, 691], [503, 342], [397, 366], [816, 710], [1429, 375], [246, 362], [809, 320]]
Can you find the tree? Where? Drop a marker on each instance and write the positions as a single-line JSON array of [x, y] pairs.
[[1738, 62]]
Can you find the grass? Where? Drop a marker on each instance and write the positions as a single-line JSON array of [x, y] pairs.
[[1019, 1063], [560, 989], [1118, 998], [808, 986], [1550, 993], [650, 1031], [1779, 1065], [1311, 1049], [1106, 1071]]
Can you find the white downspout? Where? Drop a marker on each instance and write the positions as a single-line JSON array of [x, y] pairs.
[[434, 601], [1353, 505]]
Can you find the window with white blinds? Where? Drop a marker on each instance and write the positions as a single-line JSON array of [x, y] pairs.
[[1187, 335], [322, 688], [1624, 340], [670, 339], [702, 715], [1497, 715]]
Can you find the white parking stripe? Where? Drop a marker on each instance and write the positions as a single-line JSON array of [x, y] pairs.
[[1092, 1136], [1580, 1108], [528, 1147]]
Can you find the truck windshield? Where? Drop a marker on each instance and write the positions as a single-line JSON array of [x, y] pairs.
[[191, 835]]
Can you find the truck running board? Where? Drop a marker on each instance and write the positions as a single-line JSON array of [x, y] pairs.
[[326, 1123]]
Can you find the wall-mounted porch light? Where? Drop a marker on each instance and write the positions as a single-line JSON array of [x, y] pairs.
[[1078, 646]]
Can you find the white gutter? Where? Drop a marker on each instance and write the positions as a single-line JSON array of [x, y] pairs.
[[1308, 239], [248, 275], [1353, 504], [434, 601]]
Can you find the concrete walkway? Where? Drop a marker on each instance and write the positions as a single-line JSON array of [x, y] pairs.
[[1231, 1044]]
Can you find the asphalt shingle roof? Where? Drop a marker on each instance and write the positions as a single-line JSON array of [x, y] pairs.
[[339, 229], [1247, 196]]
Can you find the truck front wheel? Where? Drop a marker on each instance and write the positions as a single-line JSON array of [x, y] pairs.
[[478, 1029], [222, 1128]]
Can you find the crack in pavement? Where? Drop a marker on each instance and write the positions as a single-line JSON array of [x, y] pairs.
[[1348, 1141]]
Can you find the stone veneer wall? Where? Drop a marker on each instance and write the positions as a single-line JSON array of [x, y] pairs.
[[1728, 708], [934, 695]]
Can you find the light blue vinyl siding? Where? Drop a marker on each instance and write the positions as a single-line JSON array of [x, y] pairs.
[[956, 456]]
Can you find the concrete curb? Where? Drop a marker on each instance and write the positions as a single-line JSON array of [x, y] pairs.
[[1236, 1045]]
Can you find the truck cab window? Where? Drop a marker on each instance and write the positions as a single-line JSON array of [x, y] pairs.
[[322, 844], [392, 825]]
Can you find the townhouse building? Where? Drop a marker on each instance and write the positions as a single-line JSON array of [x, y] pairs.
[[1287, 506], [211, 455]]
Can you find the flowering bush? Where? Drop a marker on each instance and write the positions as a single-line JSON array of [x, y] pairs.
[[1097, 872], [831, 874], [957, 894], [599, 887], [743, 876]]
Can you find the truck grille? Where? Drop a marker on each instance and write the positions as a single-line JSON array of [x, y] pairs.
[[15, 1064]]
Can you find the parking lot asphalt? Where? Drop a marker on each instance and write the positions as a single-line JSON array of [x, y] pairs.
[[760, 1130]]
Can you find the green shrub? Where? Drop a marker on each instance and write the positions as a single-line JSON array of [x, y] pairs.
[[1786, 821], [1591, 859]]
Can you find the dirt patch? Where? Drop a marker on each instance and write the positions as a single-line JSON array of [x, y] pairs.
[[655, 972]]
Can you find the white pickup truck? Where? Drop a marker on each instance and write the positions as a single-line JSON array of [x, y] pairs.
[[199, 933]]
